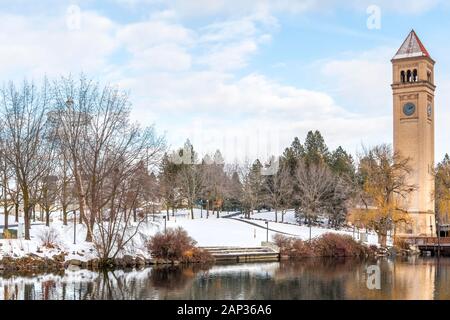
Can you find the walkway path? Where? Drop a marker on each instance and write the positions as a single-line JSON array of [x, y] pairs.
[[262, 227]]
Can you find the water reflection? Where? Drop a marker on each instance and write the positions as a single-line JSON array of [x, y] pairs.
[[411, 278]]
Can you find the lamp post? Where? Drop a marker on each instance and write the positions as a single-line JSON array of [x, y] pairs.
[[74, 227], [165, 224], [438, 224], [267, 231]]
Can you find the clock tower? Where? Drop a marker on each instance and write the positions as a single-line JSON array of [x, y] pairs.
[[413, 92]]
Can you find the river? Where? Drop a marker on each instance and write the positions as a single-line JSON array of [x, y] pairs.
[[406, 278]]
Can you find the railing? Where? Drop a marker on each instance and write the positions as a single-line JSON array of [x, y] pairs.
[[424, 241]]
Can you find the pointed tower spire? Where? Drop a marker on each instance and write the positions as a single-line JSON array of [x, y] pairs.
[[411, 47]]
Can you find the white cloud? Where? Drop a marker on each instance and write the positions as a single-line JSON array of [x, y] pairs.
[[191, 81], [245, 7], [230, 56], [38, 45], [361, 80]]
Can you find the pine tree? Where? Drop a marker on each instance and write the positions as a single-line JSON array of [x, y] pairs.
[[256, 183], [341, 163], [316, 151]]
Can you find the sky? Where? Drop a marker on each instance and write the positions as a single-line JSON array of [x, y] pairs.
[[245, 77]]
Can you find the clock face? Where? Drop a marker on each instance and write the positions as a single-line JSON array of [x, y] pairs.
[[409, 108], [429, 109]]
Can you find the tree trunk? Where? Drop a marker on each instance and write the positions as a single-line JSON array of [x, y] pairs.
[[167, 213], [47, 217], [382, 239], [82, 201], [192, 212], [27, 210], [5, 210], [134, 215], [276, 215], [64, 210], [16, 210]]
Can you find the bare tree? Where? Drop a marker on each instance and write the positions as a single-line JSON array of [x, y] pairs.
[[5, 181], [316, 186], [385, 189], [48, 196], [27, 139], [98, 137], [191, 182], [278, 189], [215, 182]]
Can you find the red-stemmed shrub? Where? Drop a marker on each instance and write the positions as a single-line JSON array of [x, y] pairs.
[[176, 245], [327, 245]]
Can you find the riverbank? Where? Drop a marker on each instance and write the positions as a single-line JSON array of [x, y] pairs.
[[61, 246]]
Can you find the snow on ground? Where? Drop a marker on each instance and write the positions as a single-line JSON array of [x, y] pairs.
[[289, 216], [81, 250], [211, 231], [11, 219], [230, 232]]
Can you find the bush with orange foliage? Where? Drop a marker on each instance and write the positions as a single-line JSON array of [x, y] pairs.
[[177, 245], [327, 245]]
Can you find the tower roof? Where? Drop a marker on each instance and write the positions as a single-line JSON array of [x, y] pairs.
[[411, 47]]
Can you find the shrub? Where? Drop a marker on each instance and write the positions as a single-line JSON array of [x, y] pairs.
[[7, 234], [401, 244], [283, 242], [176, 244], [327, 245], [336, 245], [197, 255], [49, 238]]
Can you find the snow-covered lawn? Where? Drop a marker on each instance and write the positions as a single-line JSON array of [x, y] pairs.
[[206, 231], [289, 216], [230, 232], [11, 219]]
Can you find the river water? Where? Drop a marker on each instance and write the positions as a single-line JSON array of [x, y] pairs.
[[408, 278]]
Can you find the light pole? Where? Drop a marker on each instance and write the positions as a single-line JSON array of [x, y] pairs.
[[74, 227], [310, 231], [267, 231], [165, 224]]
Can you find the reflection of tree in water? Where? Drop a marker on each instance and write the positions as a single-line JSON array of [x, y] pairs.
[[304, 279]]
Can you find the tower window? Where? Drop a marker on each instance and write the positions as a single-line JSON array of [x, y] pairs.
[[429, 76], [415, 76], [402, 77]]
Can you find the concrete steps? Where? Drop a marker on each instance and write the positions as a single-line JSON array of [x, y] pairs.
[[243, 254]]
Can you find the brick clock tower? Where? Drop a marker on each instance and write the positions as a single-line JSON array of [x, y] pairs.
[[413, 92]]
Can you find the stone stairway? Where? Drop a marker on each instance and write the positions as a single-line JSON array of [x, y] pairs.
[[243, 254]]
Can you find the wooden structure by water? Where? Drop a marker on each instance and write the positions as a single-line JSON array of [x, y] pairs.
[[431, 245], [243, 254]]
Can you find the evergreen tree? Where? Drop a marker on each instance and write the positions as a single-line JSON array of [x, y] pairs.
[[341, 163], [316, 151], [256, 183], [167, 183]]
